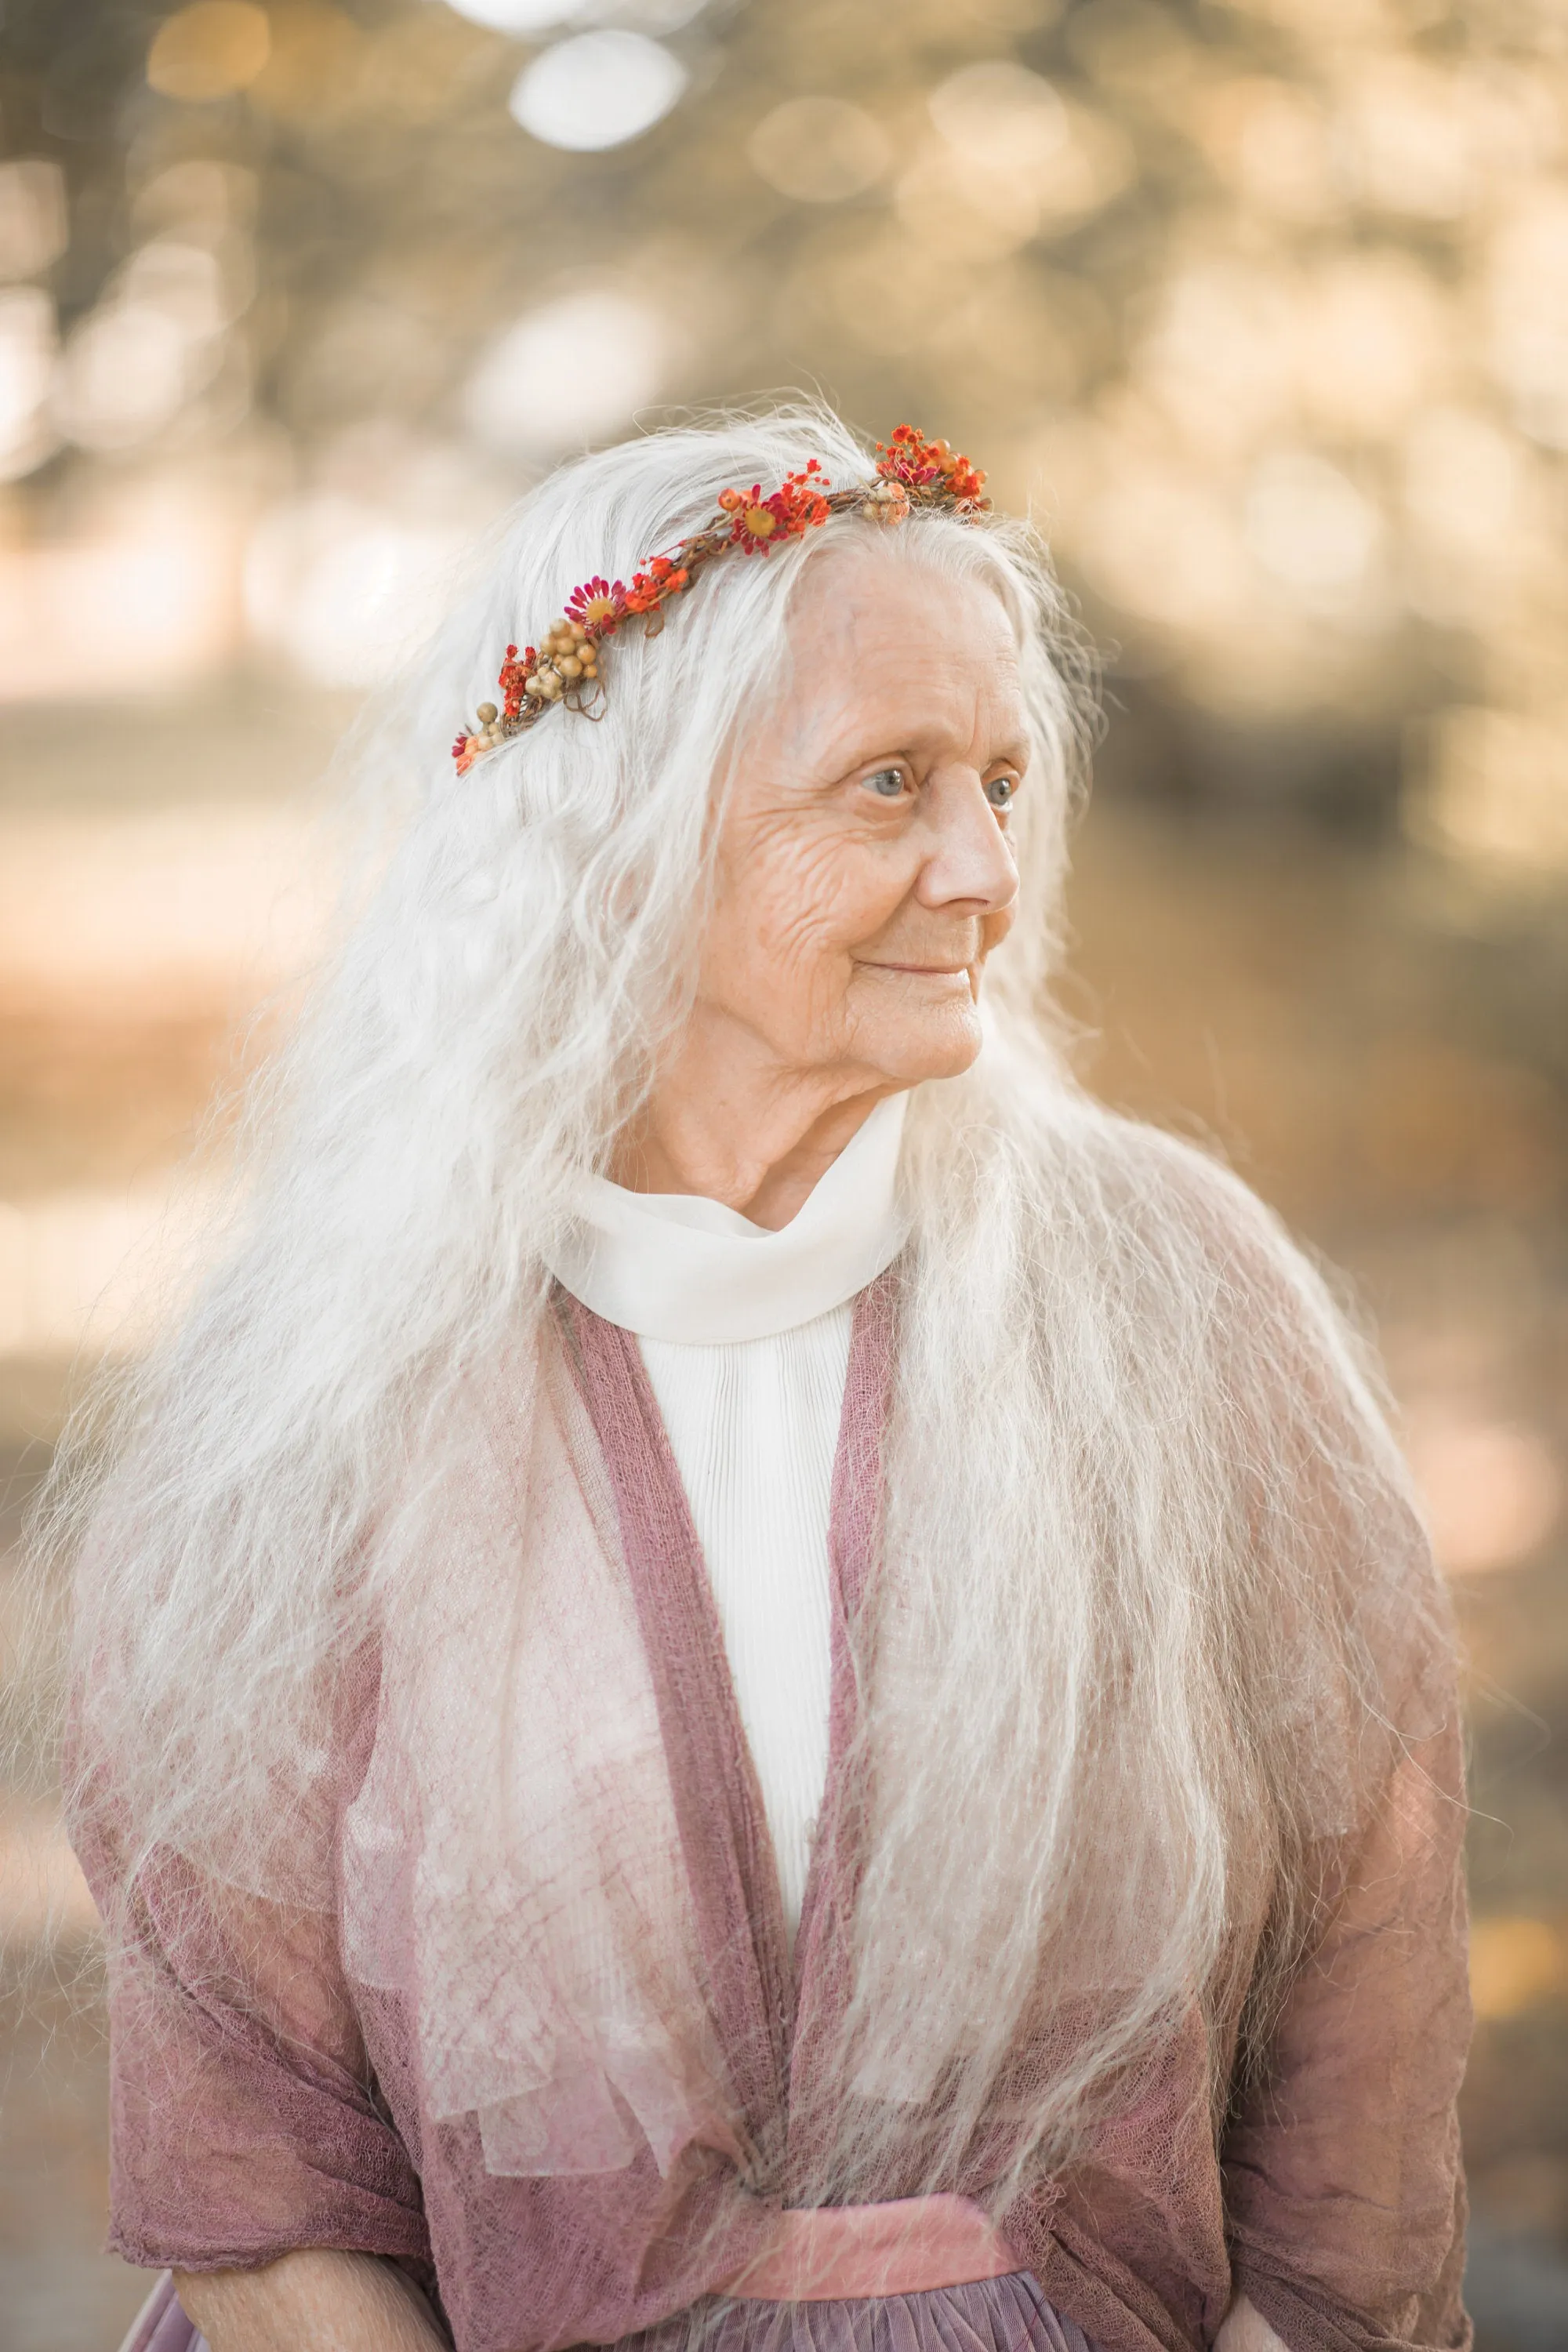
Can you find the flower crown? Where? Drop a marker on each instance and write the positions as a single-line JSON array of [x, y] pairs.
[[567, 667]]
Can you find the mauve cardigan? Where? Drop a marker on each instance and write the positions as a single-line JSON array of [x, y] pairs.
[[262, 2103]]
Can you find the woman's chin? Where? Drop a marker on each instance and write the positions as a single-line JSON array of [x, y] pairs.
[[943, 1043]]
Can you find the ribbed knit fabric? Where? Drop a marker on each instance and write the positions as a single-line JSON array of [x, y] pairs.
[[753, 1421], [753, 1427]]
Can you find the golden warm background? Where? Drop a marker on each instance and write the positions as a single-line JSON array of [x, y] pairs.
[[1262, 304]]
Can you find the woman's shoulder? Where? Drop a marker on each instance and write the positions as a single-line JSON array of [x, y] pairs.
[[1189, 1264], [1152, 1179]]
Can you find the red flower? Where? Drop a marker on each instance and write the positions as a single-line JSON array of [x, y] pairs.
[[796, 506], [514, 673], [597, 606], [930, 467]]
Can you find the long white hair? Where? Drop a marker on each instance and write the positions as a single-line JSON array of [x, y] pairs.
[[1153, 1536]]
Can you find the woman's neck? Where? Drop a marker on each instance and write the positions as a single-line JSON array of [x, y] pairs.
[[760, 1147]]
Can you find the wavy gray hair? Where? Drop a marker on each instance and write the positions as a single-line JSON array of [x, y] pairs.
[[1150, 1532]]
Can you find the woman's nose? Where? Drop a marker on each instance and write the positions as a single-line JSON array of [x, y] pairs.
[[971, 858]]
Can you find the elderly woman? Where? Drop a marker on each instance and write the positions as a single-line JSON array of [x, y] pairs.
[[750, 1673]]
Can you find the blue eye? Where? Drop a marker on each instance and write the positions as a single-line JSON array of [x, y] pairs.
[[887, 782], [1001, 791]]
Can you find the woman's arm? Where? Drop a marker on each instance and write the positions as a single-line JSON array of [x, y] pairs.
[[1344, 2183], [332, 2302], [245, 2123]]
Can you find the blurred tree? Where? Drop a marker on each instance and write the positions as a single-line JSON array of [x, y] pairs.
[[1264, 305]]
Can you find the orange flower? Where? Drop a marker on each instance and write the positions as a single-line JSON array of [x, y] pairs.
[[663, 578], [929, 467]]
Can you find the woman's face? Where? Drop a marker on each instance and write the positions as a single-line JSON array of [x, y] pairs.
[[865, 870]]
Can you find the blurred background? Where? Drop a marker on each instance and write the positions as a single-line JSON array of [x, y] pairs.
[[1262, 306]]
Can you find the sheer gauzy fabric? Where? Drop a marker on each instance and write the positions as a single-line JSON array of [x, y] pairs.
[[534, 2029], [1001, 2315]]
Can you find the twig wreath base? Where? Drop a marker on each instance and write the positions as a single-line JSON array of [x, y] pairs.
[[567, 667]]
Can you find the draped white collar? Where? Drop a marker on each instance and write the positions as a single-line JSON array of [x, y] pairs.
[[675, 1265]]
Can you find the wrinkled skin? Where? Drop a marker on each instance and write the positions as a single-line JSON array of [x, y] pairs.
[[865, 874]]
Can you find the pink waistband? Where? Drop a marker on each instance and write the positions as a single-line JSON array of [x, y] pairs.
[[904, 2247]]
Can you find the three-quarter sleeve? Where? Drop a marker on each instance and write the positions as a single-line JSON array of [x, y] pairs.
[[245, 2121], [1342, 2174]]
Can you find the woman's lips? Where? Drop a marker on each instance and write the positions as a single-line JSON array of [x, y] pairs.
[[924, 970]]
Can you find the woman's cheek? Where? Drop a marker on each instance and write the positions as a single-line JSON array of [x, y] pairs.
[[820, 906]]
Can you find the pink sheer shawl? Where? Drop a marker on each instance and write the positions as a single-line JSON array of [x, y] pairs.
[[573, 2089]]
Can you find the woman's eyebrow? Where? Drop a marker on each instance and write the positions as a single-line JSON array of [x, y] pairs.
[[849, 749], [833, 767]]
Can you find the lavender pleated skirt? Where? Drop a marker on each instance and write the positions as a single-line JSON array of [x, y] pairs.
[[161, 2324], [1000, 2314]]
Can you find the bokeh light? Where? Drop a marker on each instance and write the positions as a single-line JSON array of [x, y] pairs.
[[574, 371], [209, 50], [819, 150], [35, 225], [521, 18], [598, 91], [27, 346]]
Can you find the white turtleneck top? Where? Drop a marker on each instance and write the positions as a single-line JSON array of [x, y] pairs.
[[745, 1335]]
